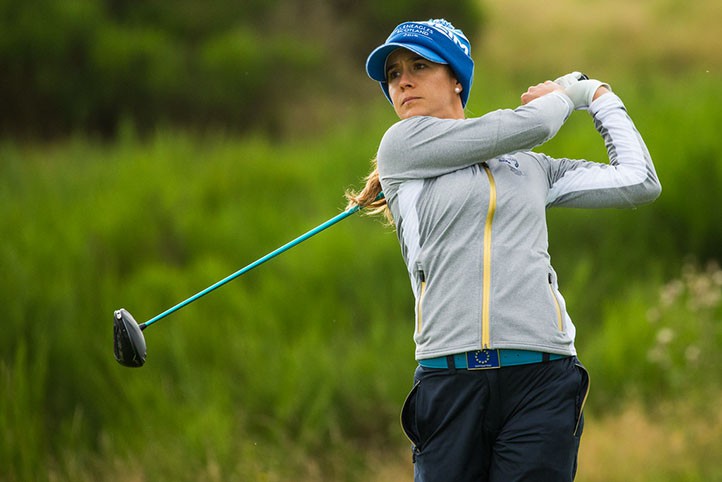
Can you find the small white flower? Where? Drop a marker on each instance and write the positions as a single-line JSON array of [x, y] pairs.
[[665, 336], [692, 353]]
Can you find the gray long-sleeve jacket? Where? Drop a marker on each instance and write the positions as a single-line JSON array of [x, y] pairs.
[[469, 203]]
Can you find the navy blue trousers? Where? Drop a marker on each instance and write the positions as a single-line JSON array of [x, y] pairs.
[[519, 423]]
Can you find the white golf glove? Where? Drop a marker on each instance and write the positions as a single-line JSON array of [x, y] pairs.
[[580, 88], [569, 79]]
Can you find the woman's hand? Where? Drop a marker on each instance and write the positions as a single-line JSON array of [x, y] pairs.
[[536, 91], [584, 92]]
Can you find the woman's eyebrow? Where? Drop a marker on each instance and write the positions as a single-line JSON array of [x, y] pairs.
[[393, 65]]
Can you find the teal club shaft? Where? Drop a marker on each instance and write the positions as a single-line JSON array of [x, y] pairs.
[[256, 263]]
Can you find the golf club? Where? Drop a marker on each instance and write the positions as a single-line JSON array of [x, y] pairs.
[[129, 345]]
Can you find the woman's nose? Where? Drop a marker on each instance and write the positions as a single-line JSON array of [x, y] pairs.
[[405, 80]]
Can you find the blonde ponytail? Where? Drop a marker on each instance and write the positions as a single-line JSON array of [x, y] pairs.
[[367, 198]]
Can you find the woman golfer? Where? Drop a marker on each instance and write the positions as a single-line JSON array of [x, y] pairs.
[[499, 391]]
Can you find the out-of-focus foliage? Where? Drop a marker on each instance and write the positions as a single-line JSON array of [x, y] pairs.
[[297, 370], [299, 367], [92, 64]]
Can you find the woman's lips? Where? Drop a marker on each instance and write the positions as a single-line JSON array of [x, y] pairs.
[[409, 99]]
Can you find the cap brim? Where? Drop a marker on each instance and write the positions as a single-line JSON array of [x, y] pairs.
[[376, 62]]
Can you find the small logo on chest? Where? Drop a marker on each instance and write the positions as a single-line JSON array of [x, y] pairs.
[[512, 164]]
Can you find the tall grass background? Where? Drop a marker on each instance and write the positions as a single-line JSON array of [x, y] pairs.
[[297, 370]]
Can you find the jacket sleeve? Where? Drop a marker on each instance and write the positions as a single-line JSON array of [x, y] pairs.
[[423, 147], [628, 180]]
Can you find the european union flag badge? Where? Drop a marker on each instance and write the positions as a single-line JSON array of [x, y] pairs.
[[482, 359]]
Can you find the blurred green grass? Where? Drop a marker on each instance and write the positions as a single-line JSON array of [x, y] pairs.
[[297, 370], [299, 367]]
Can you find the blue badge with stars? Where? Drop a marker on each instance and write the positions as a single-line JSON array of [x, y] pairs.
[[480, 359]]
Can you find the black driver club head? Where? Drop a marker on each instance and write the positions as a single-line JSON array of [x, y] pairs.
[[128, 340]]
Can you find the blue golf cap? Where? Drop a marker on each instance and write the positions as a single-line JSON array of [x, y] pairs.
[[437, 40]]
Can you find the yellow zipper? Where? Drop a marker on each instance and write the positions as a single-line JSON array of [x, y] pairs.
[[418, 308], [486, 281], [560, 322]]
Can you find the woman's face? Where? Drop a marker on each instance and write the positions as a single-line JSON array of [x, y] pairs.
[[420, 87]]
